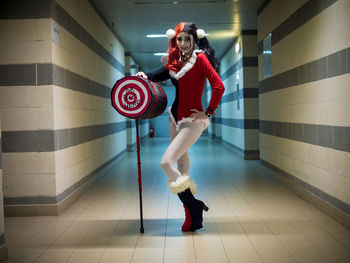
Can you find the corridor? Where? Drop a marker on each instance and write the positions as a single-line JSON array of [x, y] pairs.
[[252, 217]]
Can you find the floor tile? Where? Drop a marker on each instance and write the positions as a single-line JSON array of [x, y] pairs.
[[251, 218]]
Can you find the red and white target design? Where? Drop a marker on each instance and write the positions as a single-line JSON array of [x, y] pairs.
[[135, 97]]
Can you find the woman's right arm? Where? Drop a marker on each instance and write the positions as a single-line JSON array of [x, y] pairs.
[[155, 76]]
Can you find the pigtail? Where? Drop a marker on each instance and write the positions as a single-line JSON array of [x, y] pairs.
[[203, 44]]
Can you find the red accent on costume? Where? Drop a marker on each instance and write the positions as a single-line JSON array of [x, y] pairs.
[[191, 87], [188, 221]]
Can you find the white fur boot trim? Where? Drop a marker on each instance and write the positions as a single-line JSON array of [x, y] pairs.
[[180, 185], [193, 187]]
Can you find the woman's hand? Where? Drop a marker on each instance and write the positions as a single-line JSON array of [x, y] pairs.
[[141, 74], [198, 115]]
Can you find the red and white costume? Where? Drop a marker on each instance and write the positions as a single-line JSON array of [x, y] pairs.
[[189, 83]]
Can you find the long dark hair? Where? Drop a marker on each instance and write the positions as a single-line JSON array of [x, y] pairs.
[[203, 44]]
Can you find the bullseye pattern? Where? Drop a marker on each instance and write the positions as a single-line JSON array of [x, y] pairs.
[[136, 97]]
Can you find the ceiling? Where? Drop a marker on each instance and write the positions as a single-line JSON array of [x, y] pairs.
[[134, 19]]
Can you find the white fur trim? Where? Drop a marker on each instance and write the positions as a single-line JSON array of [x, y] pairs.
[[188, 119], [170, 33], [200, 33], [190, 63], [180, 185], [193, 187]]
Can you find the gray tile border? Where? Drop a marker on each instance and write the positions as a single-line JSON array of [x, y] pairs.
[[337, 64], [18, 75], [310, 134], [28, 141], [325, 135], [319, 69], [249, 32], [50, 140], [341, 138], [243, 62], [348, 60], [44, 74], [310, 188], [249, 93], [297, 131], [247, 124], [17, 9], [329, 66], [263, 6], [250, 61], [0, 153], [50, 74], [301, 16], [2, 239], [335, 137]]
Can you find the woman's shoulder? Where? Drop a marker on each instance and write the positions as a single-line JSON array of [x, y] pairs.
[[202, 57]]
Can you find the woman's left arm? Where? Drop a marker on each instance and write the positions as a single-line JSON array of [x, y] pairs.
[[215, 83]]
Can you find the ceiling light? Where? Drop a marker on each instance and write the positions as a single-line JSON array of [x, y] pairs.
[[160, 54], [237, 47], [156, 35]]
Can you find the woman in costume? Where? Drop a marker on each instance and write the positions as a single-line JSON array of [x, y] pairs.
[[188, 68]]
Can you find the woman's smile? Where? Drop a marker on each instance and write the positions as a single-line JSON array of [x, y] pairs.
[[185, 42]]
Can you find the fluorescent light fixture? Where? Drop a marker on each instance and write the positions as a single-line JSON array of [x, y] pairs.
[[156, 35], [267, 52], [237, 47], [160, 54]]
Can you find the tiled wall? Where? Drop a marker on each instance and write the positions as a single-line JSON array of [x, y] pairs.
[[57, 71], [237, 123], [304, 105], [3, 249]]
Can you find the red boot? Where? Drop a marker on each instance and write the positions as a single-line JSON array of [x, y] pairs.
[[188, 221]]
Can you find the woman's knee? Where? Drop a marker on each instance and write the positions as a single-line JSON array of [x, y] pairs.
[[166, 164]]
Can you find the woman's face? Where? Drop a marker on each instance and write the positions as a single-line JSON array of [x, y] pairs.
[[185, 42]]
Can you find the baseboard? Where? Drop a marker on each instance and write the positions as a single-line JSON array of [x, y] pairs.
[[252, 156], [290, 182]]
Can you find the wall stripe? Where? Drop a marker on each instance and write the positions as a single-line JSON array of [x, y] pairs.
[[18, 75], [238, 123], [54, 140], [50, 74], [335, 64], [0, 153], [335, 137], [249, 93], [249, 32], [243, 62], [322, 195], [263, 6], [2, 239], [37, 200], [17, 9], [300, 17]]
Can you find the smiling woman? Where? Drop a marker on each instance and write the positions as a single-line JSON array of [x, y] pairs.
[[188, 68]]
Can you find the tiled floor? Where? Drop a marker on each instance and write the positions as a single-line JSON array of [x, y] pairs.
[[252, 218]]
